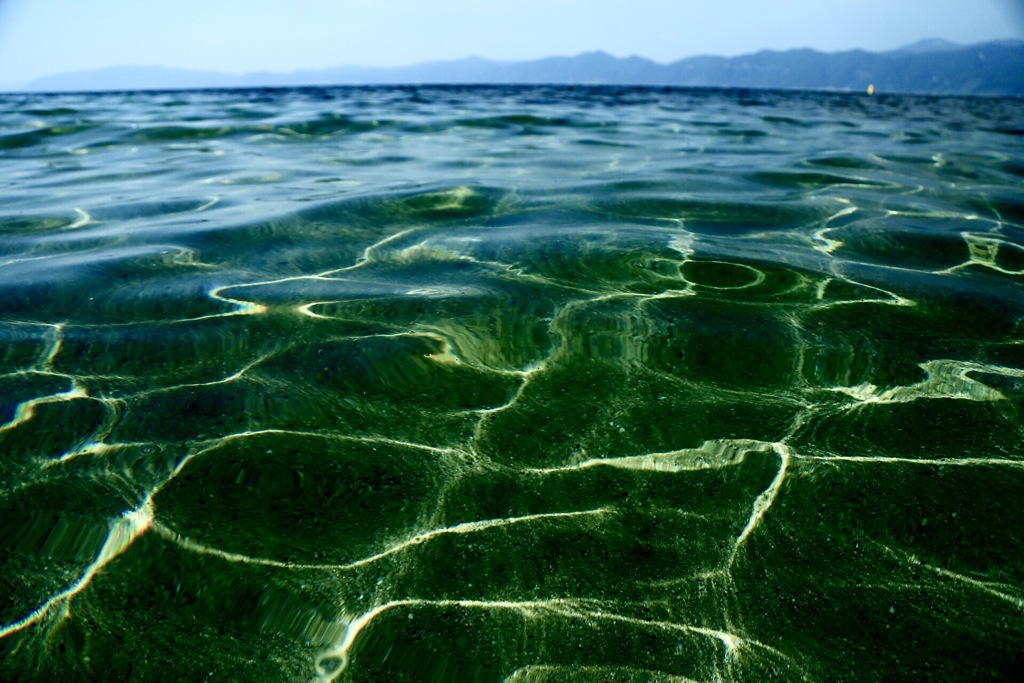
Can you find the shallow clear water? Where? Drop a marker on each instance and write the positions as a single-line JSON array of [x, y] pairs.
[[511, 384]]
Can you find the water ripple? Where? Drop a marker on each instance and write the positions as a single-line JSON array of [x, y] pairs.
[[510, 384]]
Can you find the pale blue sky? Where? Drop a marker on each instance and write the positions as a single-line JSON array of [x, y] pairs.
[[44, 37]]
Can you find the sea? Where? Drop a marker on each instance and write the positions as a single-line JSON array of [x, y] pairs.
[[511, 385]]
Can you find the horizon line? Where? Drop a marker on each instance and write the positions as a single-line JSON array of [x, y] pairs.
[[477, 57]]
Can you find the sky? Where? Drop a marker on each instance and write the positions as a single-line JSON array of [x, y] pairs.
[[46, 37]]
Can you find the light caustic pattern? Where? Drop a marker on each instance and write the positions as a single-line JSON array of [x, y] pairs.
[[608, 430]]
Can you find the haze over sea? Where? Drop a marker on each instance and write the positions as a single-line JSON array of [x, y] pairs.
[[546, 384]]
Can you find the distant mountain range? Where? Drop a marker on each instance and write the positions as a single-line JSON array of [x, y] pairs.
[[930, 66]]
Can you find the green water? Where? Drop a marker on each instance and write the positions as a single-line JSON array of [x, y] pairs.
[[511, 385]]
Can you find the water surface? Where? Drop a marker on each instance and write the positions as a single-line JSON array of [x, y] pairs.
[[511, 384]]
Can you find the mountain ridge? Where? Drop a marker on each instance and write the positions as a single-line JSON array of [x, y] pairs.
[[932, 66]]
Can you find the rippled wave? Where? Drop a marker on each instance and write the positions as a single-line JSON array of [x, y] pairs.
[[511, 384]]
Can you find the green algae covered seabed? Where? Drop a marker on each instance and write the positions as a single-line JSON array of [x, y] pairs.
[[547, 385]]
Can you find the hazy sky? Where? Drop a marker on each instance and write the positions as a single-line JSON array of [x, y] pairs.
[[44, 37]]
